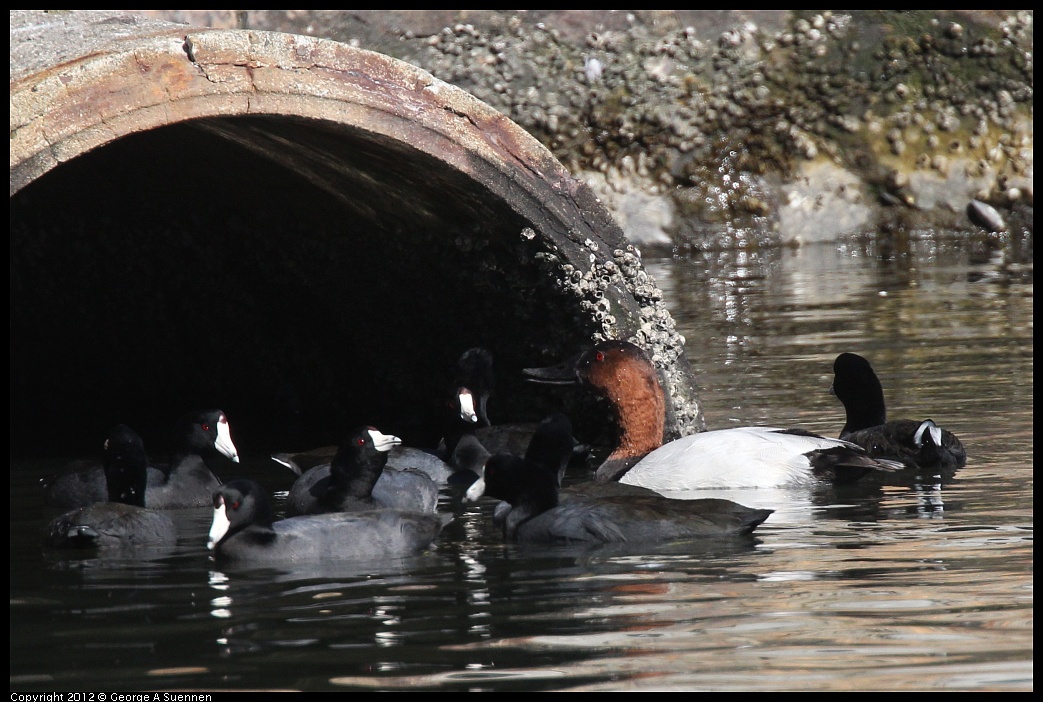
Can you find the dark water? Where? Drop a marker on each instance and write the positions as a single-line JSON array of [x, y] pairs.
[[922, 584]]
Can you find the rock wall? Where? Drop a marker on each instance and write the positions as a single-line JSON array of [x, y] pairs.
[[726, 128]]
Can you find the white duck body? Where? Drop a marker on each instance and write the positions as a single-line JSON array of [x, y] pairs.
[[743, 457]]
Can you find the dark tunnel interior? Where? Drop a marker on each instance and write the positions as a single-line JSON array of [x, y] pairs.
[[176, 269]]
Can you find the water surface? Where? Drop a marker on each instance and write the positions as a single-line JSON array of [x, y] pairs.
[[918, 583]]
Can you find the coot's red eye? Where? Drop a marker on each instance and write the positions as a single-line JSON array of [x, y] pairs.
[[206, 427], [234, 505], [360, 442]]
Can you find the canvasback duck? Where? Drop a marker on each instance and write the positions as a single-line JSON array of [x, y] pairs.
[[744, 457], [541, 512], [244, 530], [350, 481], [915, 443], [122, 522], [202, 441]]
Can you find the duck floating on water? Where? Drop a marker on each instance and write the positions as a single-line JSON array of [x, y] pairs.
[[122, 522], [916, 443], [244, 530], [464, 415], [468, 436], [743, 457], [357, 478], [541, 512], [202, 441]]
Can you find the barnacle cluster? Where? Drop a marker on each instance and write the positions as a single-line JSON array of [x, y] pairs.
[[713, 123]]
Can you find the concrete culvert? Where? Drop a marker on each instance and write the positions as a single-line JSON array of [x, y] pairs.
[[301, 233]]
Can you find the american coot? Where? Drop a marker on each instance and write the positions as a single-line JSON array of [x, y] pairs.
[[473, 386], [358, 479], [399, 458], [458, 456], [470, 438], [244, 529], [916, 443], [551, 446], [463, 451], [550, 450], [540, 512], [464, 427], [726, 458], [122, 522], [460, 416], [202, 440], [398, 488]]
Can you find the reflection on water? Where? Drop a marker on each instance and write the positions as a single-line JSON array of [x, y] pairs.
[[915, 582], [787, 314]]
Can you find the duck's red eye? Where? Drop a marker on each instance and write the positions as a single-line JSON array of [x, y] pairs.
[[599, 356]]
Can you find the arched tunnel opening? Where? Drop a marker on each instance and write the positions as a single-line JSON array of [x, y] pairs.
[[300, 233], [175, 269]]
